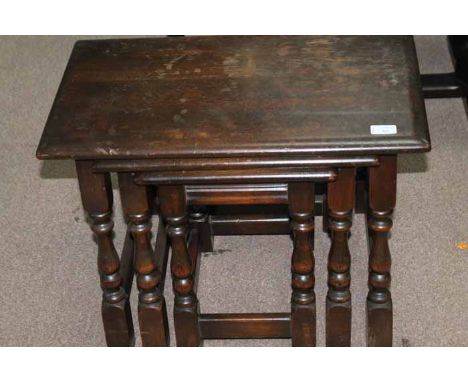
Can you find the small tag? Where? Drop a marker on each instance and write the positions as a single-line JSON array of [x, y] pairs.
[[383, 129]]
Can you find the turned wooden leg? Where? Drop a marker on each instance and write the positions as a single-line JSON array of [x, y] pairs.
[[152, 313], [301, 209], [325, 218], [174, 211], [338, 303], [199, 217], [382, 198], [96, 194]]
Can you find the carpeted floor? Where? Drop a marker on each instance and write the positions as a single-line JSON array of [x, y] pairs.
[[49, 292]]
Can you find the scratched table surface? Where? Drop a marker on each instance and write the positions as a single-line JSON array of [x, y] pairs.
[[218, 96]]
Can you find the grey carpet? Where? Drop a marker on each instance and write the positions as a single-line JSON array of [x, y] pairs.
[[49, 292]]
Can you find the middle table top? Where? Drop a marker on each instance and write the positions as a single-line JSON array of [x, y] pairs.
[[235, 96]]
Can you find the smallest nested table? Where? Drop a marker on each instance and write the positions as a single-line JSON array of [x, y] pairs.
[[238, 135]]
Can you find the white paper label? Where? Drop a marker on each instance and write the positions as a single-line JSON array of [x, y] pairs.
[[383, 129]]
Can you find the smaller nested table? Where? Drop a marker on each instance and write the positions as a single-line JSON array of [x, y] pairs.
[[238, 135]]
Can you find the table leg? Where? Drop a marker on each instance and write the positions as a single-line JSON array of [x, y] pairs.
[[200, 218], [152, 313], [174, 210], [301, 209], [96, 194], [382, 198], [338, 304]]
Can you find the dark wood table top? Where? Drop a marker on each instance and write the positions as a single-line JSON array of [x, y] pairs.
[[237, 96]]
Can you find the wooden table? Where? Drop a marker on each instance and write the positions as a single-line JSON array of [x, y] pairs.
[[210, 130]]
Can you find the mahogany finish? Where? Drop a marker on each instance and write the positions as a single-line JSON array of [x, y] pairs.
[[241, 96], [266, 224], [200, 223], [96, 194], [237, 176], [238, 194], [238, 135], [382, 199], [151, 305], [340, 202], [233, 163], [174, 212], [301, 210], [247, 325]]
